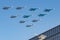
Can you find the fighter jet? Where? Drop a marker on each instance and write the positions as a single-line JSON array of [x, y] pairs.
[[34, 20], [6, 8], [33, 9], [26, 16], [18, 8], [28, 25], [40, 15], [22, 21], [13, 16], [47, 10]]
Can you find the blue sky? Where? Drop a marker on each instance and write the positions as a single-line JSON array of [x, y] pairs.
[[11, 29]]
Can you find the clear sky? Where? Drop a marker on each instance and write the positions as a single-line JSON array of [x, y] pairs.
[[11, 29]]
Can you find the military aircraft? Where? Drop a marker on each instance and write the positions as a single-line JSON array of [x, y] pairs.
[[22, 21], [47, 10], [13, 16], [18, 8], [26, 16], [33, 9], [28, 25], [34, 20], [6, 8], [40, 15]]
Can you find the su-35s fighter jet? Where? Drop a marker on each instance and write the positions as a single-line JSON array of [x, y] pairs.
[[33, 9], [6, 8], [29, 25], [26, 16], [35, 20], [47, 10], [22, 21], [19, 8], [41, 15], [13, 16]]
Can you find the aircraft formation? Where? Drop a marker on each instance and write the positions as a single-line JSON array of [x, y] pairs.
[[27, 16]]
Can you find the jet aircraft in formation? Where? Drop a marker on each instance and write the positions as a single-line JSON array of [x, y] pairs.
[[13, 16], [27, 16], [47, 10], [19, 8], [28, 25], [34, 20], [22, 21], [33, 9], [6, 8], [40, 15]]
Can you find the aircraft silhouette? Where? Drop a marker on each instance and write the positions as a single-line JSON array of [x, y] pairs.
[[33, 9], [6, 8], [18, 8], [26, 16], [42, 15], [13, 16], [22, 21], [28, 25], [34, 20], [47, 10]]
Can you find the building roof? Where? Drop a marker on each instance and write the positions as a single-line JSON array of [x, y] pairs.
[[48, 33]]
